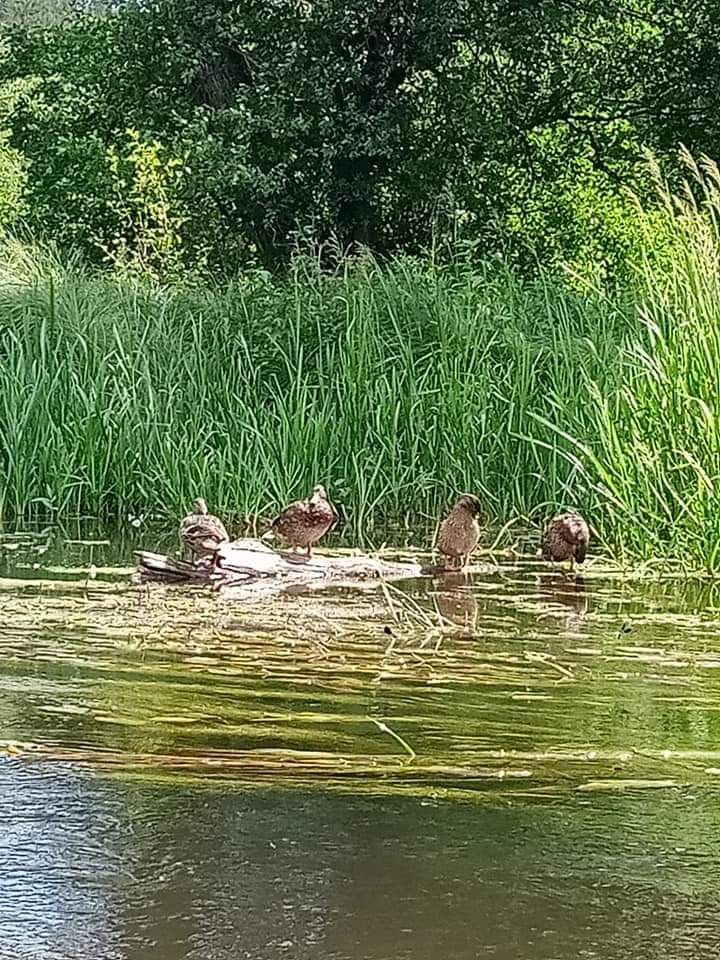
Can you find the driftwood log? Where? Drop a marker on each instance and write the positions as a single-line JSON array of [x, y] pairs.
[[252, 564]]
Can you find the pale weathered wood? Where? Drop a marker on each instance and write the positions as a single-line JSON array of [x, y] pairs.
[[253, 564]]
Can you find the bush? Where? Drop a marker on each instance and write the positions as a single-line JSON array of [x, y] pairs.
[[13, 165], [400, 128], [146, 182]]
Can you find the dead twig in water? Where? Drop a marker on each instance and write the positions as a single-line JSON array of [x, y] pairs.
[[533, 656], [384, 728]]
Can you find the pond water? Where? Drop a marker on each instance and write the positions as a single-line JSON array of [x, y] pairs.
[[511, 764]]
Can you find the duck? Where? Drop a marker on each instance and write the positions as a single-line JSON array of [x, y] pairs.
[[459, 532], [203, 532], [566, 537], [304, 522]]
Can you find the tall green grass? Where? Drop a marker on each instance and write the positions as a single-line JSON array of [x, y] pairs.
[[396, 385]]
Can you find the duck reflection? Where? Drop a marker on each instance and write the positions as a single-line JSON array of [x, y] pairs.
[[564, 597], [457, 603]]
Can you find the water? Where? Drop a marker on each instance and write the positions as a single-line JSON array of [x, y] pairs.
[[511, 765]]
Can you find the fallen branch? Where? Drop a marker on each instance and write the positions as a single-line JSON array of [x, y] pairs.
[[252, 564]]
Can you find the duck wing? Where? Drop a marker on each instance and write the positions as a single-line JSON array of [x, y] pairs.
[[203, 531], [568, 533], [297, 514]]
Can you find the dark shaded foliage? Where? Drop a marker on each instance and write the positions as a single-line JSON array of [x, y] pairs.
[[391, 123]]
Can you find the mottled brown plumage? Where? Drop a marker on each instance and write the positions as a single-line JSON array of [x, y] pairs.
[[566, 537], [202, 532], [304, 522], [460, 531]]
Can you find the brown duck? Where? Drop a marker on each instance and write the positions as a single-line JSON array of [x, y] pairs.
[[202, 532], [460, 531], [304, 522], [566, 537]]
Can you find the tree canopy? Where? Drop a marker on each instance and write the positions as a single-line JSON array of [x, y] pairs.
[[223, 133]]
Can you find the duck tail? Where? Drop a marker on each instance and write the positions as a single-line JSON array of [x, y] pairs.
[[582, 545]]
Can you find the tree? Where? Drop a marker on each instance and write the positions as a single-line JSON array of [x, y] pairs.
[[388, 123]]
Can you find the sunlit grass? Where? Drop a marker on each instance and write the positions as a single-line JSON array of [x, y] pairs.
[[396, 385]]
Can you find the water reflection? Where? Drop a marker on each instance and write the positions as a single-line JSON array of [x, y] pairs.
[[566, 597], [520, 765], [455, 602], [524, 680], [116, 869]]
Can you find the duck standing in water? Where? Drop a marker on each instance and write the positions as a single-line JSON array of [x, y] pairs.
[[304, 522], [459, 532], [566, 537], [203, 532]]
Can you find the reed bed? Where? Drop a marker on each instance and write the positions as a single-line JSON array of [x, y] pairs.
[[395, 384]]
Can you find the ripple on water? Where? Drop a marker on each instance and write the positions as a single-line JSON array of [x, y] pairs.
[[94, 867], [515, 765]]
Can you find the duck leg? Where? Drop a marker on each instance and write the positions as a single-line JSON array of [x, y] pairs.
[[295, 556]]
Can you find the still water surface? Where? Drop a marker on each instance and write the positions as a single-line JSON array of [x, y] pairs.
[[511, 765]]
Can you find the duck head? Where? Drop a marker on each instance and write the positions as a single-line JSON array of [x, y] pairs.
[[469, 502]]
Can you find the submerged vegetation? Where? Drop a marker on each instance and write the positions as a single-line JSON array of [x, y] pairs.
[[521, 684], [395, 383]]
